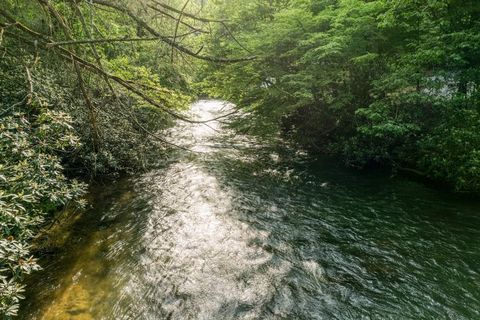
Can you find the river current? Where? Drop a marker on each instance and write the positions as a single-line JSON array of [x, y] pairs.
[[240, 228]]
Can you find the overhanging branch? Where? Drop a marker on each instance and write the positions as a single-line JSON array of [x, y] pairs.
[[109, 40], [202, 19], [166, 40]]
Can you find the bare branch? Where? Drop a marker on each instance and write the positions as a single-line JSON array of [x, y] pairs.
[[41, 41], [173, 18], [168, 41], [29, 96], [28, 99], [88, 101], [186, 14], [234, 38], [20, 25], [111, 88], [176, 27], [109, 40]]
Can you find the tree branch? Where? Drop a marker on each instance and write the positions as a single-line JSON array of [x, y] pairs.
[[176, 27], [173, 18], [168, 41], [111, 88], [109, 40], [41, 41], [83, 89], [186, 14], [29, 97]]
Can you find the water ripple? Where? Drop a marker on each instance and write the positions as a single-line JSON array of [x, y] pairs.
[[245, 229]]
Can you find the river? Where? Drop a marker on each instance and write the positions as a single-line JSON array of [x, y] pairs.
[[247, 229]]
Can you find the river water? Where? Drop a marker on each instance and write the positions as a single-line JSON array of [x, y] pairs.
[[245, 229]]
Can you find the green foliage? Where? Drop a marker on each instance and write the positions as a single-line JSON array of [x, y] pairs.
[[60, 120], [373, 81], [32, 186], [452, 150]]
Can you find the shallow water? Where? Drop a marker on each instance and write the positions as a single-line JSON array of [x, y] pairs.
[[245, 229]]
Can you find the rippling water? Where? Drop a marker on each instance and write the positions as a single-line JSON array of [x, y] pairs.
[[245, 229]]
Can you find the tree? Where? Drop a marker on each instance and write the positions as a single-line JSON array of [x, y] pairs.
[[375, 82], [85, 87]]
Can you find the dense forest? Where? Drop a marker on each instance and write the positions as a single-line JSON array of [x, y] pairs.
[[375, 82], [86, 87]]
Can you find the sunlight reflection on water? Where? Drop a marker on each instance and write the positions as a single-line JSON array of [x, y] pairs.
[[207, 251], [241, 229]]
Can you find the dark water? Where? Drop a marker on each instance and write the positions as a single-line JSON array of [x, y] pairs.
[[241, 229]]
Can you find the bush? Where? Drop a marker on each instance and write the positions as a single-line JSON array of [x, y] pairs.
[[32, 186]]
